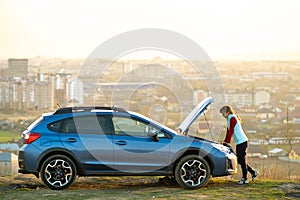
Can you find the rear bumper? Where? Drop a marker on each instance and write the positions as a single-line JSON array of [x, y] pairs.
[[22, 167], [21, 160], [28, 159]]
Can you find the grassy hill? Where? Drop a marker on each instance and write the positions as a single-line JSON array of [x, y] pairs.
[[29, 187]]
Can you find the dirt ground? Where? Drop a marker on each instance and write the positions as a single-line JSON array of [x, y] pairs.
[[29, 187], [81, 183]]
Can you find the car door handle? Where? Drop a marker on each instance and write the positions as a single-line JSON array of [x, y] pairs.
[[71, 140], [121, 142]]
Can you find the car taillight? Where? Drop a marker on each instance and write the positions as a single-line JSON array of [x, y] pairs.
[[31, 137]]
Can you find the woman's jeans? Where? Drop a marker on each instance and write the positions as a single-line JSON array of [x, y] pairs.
[[241, 156]]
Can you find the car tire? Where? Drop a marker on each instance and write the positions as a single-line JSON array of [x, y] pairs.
[[58, 172], [192, 172]]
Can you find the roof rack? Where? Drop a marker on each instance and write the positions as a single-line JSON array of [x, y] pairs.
[[66, 110]]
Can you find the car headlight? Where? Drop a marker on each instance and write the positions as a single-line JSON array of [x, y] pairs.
[[221, 147]]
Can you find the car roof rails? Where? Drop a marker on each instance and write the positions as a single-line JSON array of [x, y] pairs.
[[118, 109], [66, 110]]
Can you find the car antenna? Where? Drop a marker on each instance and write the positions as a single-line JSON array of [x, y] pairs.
[[208, 126]]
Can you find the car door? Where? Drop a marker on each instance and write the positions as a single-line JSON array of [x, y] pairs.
[[90, 139], [134, 150]]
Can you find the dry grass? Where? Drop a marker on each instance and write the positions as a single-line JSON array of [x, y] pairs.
[[28, 187]]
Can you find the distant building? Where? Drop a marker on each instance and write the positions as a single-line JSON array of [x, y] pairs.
[[261, 97], [284, 140], [60, 89], [270, 75], [75, 91], [16, 94], [295, 154], [247, 97], [265, 113], [239, 97], [60, 97], [42, 95], [6, 95], [255, 151], [276, 152], [18, 68]]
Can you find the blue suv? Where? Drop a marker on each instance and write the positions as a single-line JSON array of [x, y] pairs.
[[96, 141]]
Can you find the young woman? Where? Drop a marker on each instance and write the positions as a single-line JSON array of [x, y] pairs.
[[234, 128]]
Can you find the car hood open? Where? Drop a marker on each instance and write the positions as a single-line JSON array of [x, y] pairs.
[[194, 114]]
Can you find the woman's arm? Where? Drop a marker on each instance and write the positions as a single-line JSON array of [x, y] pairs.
[[230, 130]]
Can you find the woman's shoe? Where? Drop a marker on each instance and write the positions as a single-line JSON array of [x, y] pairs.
[[242, 181], [254, 175]]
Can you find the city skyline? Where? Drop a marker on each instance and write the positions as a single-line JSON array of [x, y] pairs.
[[225, 30]]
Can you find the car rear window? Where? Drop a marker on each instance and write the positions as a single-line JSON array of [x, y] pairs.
[[87, 125], [55, 126]]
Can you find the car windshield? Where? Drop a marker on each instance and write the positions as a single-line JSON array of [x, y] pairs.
[[155, 122]]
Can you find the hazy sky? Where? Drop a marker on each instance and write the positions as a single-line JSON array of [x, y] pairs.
[[72, 29]]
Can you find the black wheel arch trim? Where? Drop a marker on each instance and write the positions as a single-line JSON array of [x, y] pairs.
[[192, 151], [60, 151]]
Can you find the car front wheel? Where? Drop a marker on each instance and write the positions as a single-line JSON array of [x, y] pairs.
[[58, 172], [192, 172]]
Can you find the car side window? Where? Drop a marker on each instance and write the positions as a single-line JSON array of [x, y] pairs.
[[69, 126], [87, 125], [128, 126], [55, 126], [133, 127]]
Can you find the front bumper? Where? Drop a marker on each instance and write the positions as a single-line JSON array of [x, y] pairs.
[[231, 164]]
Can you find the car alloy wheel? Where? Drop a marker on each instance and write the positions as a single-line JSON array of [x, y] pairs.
[[58, 172], [192, 172]]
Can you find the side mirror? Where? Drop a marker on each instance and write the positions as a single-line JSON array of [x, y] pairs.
[[153, 134]]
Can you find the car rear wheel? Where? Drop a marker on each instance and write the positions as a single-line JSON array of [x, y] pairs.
[[58, 172], [192, 172]]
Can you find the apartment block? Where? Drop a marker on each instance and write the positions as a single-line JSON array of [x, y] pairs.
[[18, 68]]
